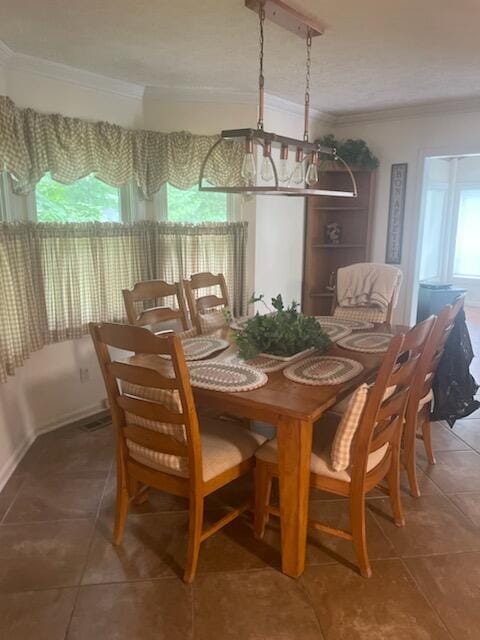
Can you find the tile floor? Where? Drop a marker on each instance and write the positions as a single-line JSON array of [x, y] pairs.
[[60, 578]]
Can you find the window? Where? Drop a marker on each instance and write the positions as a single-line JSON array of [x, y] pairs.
[[467, 254], [194, 206], [86, 200]]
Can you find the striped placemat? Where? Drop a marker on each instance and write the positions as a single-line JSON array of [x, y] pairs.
[[323, 370], [335, 330], [226, 376], [355, 325], [366, 342]]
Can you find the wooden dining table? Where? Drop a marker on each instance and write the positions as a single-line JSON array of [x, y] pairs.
[[293, 409]]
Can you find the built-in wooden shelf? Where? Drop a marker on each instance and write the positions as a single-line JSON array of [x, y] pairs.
[[322, 260], [339, 246]]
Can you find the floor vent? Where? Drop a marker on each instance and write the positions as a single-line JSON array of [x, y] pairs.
[[94, 423]]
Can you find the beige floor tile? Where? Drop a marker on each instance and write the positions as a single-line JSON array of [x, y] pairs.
[[386, 606], [43, 555], [43, 615], [263, 605], [452, 585], [159, 610], [57, 497], [455, 471], [433, 525], [469, 503]]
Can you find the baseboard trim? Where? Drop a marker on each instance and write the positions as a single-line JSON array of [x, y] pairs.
[[12, 463], [74, 416]]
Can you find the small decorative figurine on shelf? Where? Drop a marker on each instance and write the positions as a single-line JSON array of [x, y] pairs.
[[333, 233], [331, 286]]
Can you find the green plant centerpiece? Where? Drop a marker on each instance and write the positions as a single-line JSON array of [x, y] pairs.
[[284, 332]]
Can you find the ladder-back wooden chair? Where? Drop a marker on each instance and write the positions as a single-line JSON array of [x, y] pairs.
[[417, 419], [204, 310], [153, 290], [158, 439], [352, 457], [374, 314]]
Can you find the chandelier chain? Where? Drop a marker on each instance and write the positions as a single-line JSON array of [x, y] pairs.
[[307, 81], [261, 79]]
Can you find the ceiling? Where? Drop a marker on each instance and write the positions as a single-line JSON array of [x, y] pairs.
[[374, 54]]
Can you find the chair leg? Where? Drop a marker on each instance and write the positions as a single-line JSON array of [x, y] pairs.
[[195, 526], [263, 488], [121, 512], [411, 468], [393, 479], [427, 441], [410, 462], [359, 535]]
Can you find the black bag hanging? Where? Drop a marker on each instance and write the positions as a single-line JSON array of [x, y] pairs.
[[454, 387]]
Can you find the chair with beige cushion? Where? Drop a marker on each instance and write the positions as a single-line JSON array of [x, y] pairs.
[[160, 443], [207, 311], [366, 291], [417, 418], [352, 454], [151, 291]]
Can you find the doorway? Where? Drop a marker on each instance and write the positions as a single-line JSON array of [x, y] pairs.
[[450, 228]]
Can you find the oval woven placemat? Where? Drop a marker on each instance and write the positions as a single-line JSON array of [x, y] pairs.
[[202, 347], [225, 376], [355, 325], [323, 370], [335, 330], [366, 342]]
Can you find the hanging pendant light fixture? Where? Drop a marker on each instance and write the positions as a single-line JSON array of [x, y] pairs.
[[302, 178]]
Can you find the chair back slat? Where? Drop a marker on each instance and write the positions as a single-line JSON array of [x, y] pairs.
[[130, 338], [153, 409], [208, 302], [156, 441], [145, 376], [152, 291], [155, 315]]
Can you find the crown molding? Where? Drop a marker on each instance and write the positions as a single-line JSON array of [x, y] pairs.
[[281, 104], [5, 53], [199, 94], [230, 96], [57, 71], [445, 107]]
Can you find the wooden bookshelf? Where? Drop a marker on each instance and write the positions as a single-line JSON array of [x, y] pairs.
[[322, 258]]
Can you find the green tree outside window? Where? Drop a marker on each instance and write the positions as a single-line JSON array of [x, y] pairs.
[[194, 206], [86, 200]]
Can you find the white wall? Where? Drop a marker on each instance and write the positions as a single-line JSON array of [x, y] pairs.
[[410, 139], [280, 223]]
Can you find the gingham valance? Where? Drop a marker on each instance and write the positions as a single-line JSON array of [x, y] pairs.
[[56, 278], [33, 143]]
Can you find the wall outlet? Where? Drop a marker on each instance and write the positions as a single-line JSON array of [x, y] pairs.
[[84, 375]]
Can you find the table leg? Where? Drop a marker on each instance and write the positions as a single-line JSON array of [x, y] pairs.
[[294, 450]]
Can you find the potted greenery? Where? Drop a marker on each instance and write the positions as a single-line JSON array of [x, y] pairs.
[[285, 333]]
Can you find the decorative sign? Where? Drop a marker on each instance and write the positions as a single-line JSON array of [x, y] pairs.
[[396, 212]]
